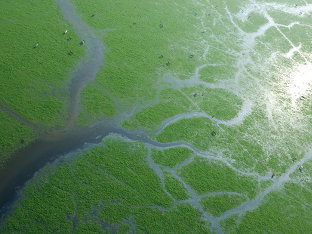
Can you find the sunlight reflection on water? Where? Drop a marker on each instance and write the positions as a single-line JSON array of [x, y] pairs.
[[300, 82]]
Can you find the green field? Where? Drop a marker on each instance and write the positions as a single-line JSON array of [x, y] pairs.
[[171, 157], [219, 92], [34, 81], [13, 135], [218, 204], [109, 186]]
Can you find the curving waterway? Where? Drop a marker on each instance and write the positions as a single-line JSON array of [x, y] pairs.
[[90, 65], [23, 164]]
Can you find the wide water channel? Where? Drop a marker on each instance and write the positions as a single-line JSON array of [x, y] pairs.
[[23, 164]]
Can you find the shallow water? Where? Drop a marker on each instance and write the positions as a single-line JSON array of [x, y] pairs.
[[89, 65], [22, 166]]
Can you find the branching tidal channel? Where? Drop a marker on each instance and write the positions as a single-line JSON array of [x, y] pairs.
[[58, 142]]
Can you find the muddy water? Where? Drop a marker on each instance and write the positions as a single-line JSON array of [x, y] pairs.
[[22, 166], [90, 65], [26, 162]]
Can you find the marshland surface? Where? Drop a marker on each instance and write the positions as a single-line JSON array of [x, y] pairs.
[[156, 116]]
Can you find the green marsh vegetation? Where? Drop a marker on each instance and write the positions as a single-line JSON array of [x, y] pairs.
[[97, 105], [214, 74], [36, 79], [236, 144], [171, 157], [210, 175], [110, 183], [218, 103], [199, 132], [276, 209], [230, 224], [13, 135], [140, 46], [194, 131], [176, 188], [112, 187], [217, 205], [172, 103], [252, 22], [34, 67]]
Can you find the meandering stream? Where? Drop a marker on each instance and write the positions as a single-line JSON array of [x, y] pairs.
[[23, 164]]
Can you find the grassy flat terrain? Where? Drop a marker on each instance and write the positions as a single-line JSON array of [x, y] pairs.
[[219, 94], [13, 136], [172, 102], [35, 77], [97, 104], [35, 65], [171, 157], [176, 188], [108, 186], [140, 46], [215, 102], [208, 176], [219, 204]]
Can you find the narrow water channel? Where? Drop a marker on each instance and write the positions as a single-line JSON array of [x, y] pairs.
[[89, 65], [23, 164]]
